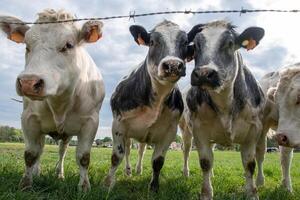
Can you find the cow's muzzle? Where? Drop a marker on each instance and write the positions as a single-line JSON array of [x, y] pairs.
[[205, 77], [173, 67], [31, 86]]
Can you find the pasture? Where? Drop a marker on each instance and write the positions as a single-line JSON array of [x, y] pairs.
[[227, 182]]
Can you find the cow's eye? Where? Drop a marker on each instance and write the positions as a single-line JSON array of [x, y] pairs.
[[67, 47]]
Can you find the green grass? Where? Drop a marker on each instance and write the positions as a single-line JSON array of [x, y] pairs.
[[227, 182]]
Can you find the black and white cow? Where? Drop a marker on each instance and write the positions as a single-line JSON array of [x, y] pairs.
[[225, 103], [147, 104], [282, 113], [61, 86]]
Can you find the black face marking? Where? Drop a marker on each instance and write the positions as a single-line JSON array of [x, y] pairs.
[[158, 49], [205, 164], [156, 167], [197, 96], [133, 92], [120, 149], [174, 100], [251, 167]]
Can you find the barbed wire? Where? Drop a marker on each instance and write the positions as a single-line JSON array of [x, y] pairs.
[[132, 15]]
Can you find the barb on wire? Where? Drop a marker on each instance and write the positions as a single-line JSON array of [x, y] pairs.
[[132, 15], [19, 101]]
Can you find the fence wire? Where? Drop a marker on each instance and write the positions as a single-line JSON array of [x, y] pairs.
[[133, 15]]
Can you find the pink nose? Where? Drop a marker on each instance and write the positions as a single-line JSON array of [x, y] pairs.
[[31, 86], [282, 139]]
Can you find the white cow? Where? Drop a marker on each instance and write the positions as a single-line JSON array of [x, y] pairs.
[[61, 86], [282, 114]]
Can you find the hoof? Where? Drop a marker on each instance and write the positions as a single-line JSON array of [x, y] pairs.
[[108, 182], [205, 197], [260, 181], [60, 177], [84, 187], [186, 173], [287, 186], [154, 187], [25, 183]]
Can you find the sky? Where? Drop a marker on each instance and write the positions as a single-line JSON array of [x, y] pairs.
[[117, 53]]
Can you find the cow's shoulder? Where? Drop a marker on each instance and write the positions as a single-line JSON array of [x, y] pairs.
[[196, 97], [246, 88], [174, 100], [133, 91]]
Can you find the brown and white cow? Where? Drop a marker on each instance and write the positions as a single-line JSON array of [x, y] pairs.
[[61, 86], [225, 103], [147, 104], [282, 115]]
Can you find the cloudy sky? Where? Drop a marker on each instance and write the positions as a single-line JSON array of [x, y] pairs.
[[116, 53]]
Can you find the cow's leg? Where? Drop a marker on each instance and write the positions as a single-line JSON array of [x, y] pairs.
[[260, 156], [248, 159], [158, 156], [34, 146], [206, 159], [85, 141], [286, 155], [37, 168], [141, 152], [117, 153], [63, 145], [127, 169], [187, 143]]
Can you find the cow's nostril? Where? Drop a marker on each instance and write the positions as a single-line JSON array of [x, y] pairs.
[[210, 74], [38, 86], [180, 66], [284, 138], [165, 66]]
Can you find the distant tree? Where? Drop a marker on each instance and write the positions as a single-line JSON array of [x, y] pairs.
[[106, 139]]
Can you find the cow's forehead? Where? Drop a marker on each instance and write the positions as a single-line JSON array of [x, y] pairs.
[[51, 33], [213, 34], [167, 28]]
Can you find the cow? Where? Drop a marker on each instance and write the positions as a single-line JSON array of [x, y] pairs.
[[224, 104], [282, 89], [147, 103], [61, 86]]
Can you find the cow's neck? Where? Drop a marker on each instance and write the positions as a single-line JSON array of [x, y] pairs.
[[60, 106], [160, 91]]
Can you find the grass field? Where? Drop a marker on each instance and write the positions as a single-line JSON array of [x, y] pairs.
[[227, 182]]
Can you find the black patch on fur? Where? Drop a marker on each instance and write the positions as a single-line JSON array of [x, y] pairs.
[[251, 167], [205, 164], [133, 92], [174, 100], [157, 164], [245, 87], [120, 149], [197, 96], [85, 160], [58, 136], [115, 160], [30, 158]]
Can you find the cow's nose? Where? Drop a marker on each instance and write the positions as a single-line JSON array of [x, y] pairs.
[[174, 67], [31, 86], [203, 75], [282, 139]]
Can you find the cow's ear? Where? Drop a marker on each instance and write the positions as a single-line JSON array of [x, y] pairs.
[[140, 35], [250, 37], [271, 94], [14, 32], [193, 32], [190, 53], [91, 31]]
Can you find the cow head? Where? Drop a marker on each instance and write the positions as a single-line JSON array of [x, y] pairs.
[[286, 98], [168, 49], [54, 52], [214, 53]]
